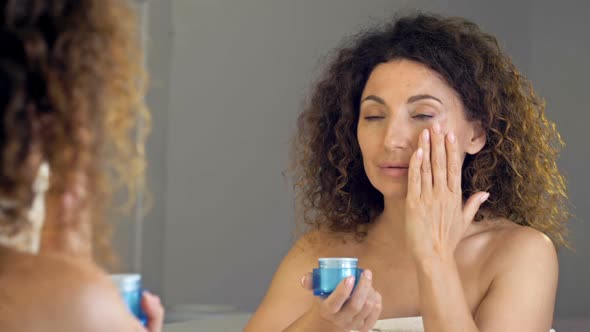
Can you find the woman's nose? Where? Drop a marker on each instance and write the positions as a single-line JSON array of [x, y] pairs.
[[398, 135]]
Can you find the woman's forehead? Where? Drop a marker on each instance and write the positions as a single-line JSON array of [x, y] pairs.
[[402, 77], [398, 81]]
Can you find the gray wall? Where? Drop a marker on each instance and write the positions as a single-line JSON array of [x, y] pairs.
[[560, 67], [229, 78]]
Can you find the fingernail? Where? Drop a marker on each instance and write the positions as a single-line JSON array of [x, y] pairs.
[[349, 281], [426, 135], [484, 197], [436, 128], [419, 152], [302, 281], [368, 274], [452, 138]]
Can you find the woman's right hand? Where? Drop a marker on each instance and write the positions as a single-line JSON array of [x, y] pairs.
[[345, 312]]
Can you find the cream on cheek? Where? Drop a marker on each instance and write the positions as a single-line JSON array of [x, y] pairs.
[[460, 131]]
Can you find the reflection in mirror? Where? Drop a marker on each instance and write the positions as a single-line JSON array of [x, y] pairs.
[[229, 81]]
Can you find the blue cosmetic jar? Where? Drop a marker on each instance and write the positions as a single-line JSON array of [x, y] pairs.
[[129, 286], [331, 272]]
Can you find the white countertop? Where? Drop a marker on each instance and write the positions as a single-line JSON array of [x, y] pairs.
[[227, 323], [237, 322]]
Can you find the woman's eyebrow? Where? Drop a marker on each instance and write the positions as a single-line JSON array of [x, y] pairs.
[[412, 99], [416, 98], [375, 99]]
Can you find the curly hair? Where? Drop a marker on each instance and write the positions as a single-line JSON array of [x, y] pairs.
[[517, 164], [71, 91]]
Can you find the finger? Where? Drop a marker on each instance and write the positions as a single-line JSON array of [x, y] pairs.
[[357, 301], [439, 159], [336, 300], [374, 315], [414, 176], [137, 327], [426, 168], [454, 164], [307, 281], [472, 205], [154, 311], [360, 318]]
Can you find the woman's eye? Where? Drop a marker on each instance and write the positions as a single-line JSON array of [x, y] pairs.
[[373, 118], [422, 117]]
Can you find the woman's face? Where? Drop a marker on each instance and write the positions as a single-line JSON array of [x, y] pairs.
[[400, 100]]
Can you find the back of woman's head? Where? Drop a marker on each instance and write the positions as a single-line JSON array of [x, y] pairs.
[[517, 165], [71, 95]]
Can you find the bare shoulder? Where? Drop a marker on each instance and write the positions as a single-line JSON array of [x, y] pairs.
[[69, 294], [286, 299], [523, 269], [516, 244], [315, 244], [302, 257], [501, 245], [529, 248]]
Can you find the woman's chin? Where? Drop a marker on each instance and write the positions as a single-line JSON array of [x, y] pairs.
[[393, 191]]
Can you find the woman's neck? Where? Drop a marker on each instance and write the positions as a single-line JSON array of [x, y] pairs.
[[389, 227]]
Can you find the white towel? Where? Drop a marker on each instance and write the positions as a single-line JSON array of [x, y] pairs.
[[403, 324], [29, 238]]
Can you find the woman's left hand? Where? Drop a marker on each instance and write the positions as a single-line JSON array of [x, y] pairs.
[[154, 310], [436, 219]]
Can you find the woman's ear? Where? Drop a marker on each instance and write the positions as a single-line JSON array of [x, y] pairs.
[[477, 139]]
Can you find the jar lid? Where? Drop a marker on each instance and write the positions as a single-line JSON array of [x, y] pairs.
[[338, 262], [127, 282]]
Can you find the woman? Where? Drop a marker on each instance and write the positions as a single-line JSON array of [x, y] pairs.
[[69, 100], [427, 155]]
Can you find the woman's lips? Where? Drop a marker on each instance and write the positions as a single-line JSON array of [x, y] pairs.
[[394, 171]]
